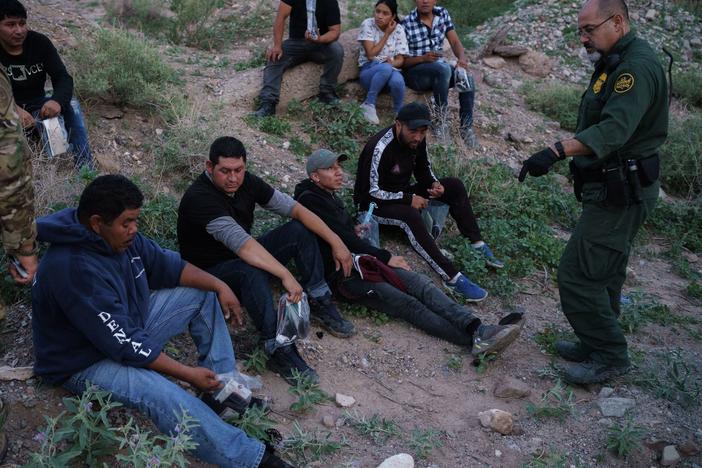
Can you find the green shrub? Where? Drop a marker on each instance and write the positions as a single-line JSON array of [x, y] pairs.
[[686, 85], [680, 222], [625, 438], [158, 220], [524, 238], [123, 69], [680, 158], [556, 101]]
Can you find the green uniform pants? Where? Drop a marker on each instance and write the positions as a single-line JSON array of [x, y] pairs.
[[592, 271]]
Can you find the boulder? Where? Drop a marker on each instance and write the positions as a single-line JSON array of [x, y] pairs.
[[300, 82], [497, 420], [401, 460], [509, 387], [535, 63], [510, 50], [494, 61]]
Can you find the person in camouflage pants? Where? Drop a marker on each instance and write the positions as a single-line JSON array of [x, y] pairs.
[[17, 227]]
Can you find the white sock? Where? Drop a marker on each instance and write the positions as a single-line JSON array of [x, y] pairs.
[[477, 245]]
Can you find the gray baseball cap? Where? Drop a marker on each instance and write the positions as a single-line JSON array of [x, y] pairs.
[[323, 159]]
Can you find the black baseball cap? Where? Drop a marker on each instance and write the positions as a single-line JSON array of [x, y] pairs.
[[415, 115]]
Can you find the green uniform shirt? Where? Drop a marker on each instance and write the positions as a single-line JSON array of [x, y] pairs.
[[624, 111]]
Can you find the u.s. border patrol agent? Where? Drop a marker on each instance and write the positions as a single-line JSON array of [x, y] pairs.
[[17, 227], [622, 121]]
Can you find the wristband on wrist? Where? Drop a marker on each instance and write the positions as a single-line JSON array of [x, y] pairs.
[[561, 150]]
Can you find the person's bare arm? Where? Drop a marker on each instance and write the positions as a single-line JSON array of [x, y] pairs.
[[256, 255], [199, 377], [373, 49], [326, 38], [193, 277], [341, 254], [457, 48], [573, 147], [275, 52]]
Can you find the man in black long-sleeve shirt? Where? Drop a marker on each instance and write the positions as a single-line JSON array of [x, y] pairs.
[[27, 57], [384, 176], [407, 295]]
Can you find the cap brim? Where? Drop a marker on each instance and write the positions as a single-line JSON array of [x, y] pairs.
[[415, 124]]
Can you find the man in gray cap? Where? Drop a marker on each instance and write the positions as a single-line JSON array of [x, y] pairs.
[[384, 281], [385, 169]]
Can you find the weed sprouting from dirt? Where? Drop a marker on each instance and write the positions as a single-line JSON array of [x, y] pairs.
[[305, 447], [255, 423], [307, 392], [256, 362], [423, 441], [624, 438], [556, 403], [671, 376], [377, 428]]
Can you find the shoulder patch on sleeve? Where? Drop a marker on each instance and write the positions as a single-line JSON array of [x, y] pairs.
[[624, 83]]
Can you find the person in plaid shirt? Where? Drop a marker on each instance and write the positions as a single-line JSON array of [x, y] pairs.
[[425, 68]]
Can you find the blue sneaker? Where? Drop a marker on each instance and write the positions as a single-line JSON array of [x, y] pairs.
[[471, 291], [490, 258]]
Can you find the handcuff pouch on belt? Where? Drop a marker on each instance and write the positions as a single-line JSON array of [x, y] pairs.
[[622, 179]]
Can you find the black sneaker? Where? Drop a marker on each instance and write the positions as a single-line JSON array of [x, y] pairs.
[[590, 372], [264, 110], [271, 460], [287, 358], [324, 313], [232, 406], [571, 351], [329, 98], [492, 339]]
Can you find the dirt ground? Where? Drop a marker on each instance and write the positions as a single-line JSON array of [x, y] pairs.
[[393, 370]]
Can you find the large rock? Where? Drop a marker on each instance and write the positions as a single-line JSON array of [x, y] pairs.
[[497, 420], [300, 82], [494, 61], [509, 387], [535, 63], [401, 460], [510, 50]]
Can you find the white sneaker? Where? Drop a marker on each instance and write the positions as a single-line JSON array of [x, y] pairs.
[[370, 114]]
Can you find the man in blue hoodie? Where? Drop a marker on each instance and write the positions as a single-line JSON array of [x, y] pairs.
[[105, 302]]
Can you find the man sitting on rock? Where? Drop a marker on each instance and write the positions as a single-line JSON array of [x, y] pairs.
[[215, 219], [315, 27], [27, 57], [396, 291], [384, 176], [106, 301], [425, 68]]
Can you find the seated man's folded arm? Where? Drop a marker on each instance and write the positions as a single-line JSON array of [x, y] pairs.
[[61, 80]]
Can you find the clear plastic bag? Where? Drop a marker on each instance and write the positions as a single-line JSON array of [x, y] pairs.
[[293, 320], [238, 384]]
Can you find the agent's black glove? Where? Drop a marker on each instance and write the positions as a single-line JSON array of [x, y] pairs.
[[538, 164]]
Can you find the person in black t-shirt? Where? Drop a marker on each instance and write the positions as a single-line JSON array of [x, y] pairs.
[[303, 45], [27, 57], [214, 233]]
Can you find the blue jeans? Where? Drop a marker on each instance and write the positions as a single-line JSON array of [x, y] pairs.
[[291, 241], [171, 312], [75, 126], [296, 52], [423, 305], [376, 76], [438, 77]]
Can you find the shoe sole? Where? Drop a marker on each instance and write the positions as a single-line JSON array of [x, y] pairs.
[[501, 343], [603, 377], [336, 333], [494, 265]]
